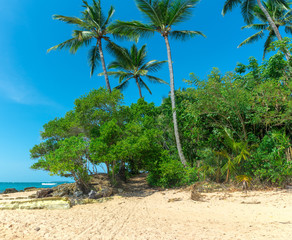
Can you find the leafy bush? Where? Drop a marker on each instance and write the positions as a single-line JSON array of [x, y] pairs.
[[269, 162], [172, 173]]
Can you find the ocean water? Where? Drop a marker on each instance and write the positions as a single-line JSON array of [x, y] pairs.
[[22, 185]]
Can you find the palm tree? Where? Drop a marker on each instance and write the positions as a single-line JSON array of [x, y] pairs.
[[162, 16], [280, 16], [247, 7], [234, 152], [132, 65], [92, 26]]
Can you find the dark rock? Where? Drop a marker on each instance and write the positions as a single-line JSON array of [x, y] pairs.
[[92, 195], [10, 190], [37, 229], [77, 194], [45, 193], [28, 189], [64, 190], [195, 195], [107, 192]]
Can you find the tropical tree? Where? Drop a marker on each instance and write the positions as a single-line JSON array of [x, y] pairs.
[[92, 26], [247, 7], [162, 16], [131, 64], [233, 152], [280, 16]]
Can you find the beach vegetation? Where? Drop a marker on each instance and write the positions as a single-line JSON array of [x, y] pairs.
[[161, 17], [280, 15], [132, 64], [226, 127], [92, 28]]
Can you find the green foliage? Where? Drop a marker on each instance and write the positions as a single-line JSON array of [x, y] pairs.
[[69, 157], [161, 16], [91, 26], [171, 173], [280, 14], [269, 161], [131, 64]]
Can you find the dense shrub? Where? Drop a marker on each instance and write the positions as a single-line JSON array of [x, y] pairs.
[[269, 163]]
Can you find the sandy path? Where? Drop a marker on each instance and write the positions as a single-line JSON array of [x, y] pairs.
[[259, 215]]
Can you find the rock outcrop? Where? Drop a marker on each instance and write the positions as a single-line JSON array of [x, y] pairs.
[[10, 190], [64, 190], [44, 193]]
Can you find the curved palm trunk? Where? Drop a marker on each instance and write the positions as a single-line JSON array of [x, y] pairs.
[[103, 66], [273, 25], [176, 133], [139, 87]]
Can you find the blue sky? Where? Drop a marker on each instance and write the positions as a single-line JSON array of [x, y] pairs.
[[36, 86]]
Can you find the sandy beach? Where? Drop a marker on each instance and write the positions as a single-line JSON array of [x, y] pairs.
[[152, 214]]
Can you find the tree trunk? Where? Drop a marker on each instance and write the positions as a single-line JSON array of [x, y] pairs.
[[103, 66], [122, 171], [273, 26], [140, 92], [176, 133]]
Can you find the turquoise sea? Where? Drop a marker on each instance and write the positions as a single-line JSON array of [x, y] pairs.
[[22, 185]]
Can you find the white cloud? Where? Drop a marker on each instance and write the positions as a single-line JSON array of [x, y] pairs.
[[17, 90]]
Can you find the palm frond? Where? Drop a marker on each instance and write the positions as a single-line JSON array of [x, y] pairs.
[[119, 65], [144, 85], [72, 44], [120, 53], [109, 17], [155, 79], [123, 85], [93, 16], [131, 30], [260, 26], [185, 34], [253, 38], [268, 42], [69, 20], [180, 11], [284, 3], [83, 35], [247, 7], [153, 66], [93, 58], [229, 5], [288, 29], [121, 75], [149, 9], [141, 56]]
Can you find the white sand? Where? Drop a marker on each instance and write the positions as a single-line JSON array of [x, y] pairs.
[[259, 215]]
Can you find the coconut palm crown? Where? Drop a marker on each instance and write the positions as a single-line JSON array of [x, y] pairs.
[[162, 16], [131, 64], [92, 27], [247, 7], [280, 15]]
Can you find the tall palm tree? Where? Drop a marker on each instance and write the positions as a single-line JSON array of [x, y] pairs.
[[92, 26], [247, 7], [162, 16], [280, 15], [132, 65]]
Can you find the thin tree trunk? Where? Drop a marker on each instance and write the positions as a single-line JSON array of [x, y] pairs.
[[103, 66], [140, 92], [273, 25], [176, 133]]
